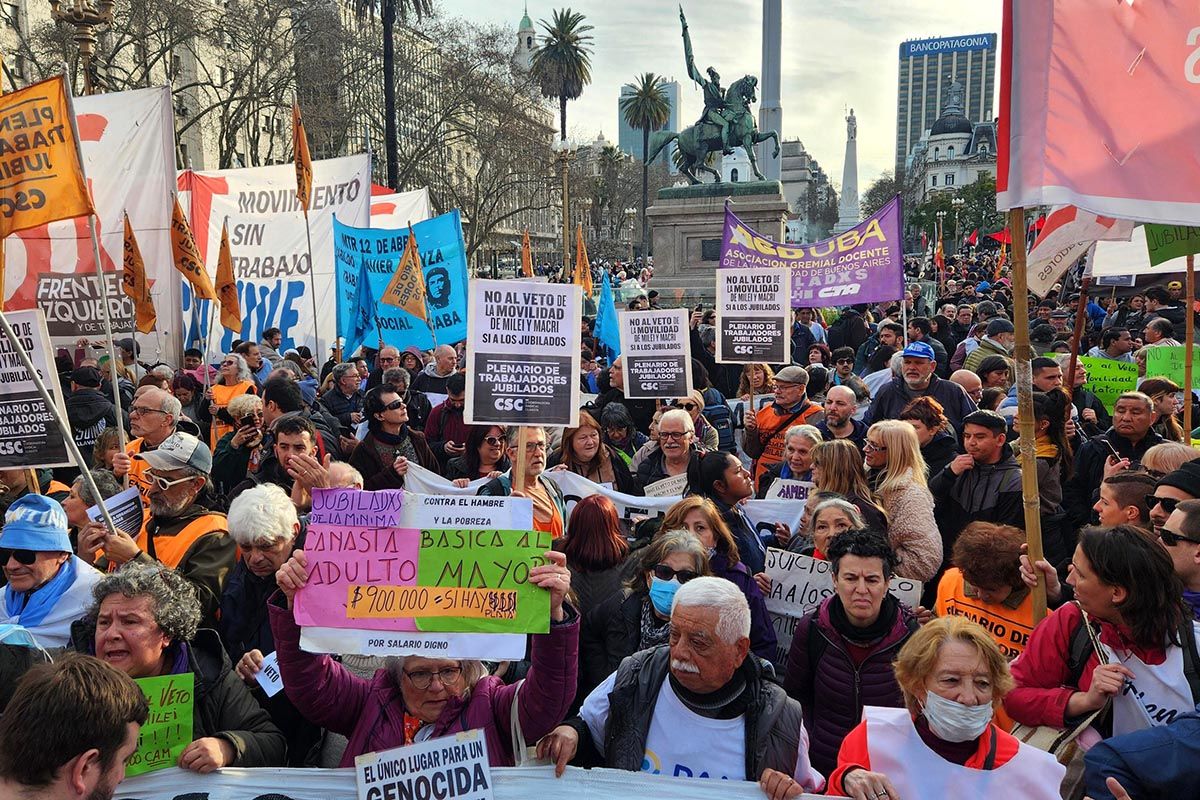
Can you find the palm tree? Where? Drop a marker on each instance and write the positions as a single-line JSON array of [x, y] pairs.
[[389, 11], [562, 65], [646, 109]]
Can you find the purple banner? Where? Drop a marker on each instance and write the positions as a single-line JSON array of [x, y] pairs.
[[862, 265]]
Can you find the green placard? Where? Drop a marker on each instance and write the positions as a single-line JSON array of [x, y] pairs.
[[168, 729], [499, 560], [1167, 362], [1165, 242], [1109, 379]]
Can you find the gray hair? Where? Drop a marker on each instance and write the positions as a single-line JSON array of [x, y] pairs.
[[176, 607], [680, 415], [291, 367], [343, 476], [733, 620], [262, 514], [163, 371], [809, 432], [513, 431], [896, 362], [841, 504], [395, 375], [243, 368], [170, 405], [342, 369], [243, 404], [106, 482]]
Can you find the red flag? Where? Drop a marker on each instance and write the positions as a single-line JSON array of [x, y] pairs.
[[973, 239], [924, 240], [1004, 236]]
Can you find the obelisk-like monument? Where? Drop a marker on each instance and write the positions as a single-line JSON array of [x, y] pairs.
[[849, 213], [770, 111]]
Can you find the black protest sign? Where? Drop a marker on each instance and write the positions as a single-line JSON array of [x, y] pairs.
[[29, 436], [656, 354], [753, 316]]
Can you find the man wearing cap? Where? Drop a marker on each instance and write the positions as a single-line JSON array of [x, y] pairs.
[[129, 350], [153, 417], [48, 586], [89, 412], [178, 532], [764, 441], [1059, 320], [998, 341], [917, 379]]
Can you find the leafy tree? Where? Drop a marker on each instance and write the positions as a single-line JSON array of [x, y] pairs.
[[562, 65], [646, 109], [878, 194]]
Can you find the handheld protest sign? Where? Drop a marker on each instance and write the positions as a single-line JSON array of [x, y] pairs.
[[656, 353], [754, 308], [30, 438], [450, 766], [523, 363], [168, 728]]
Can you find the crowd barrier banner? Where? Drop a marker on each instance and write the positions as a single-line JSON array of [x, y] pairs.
[[656, 353], [29, 436], [509, 783], [128, 145]]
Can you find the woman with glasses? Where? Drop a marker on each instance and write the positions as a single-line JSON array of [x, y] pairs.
[[1166, 457], [414, 698], [233, 378], [390, 445], [757, 380], [1164, 393], [896, 472], [837, 467], [640, 617], [584, 453], [1137, 668], [484, 456]]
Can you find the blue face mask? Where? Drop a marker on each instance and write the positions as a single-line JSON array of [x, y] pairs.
[[662, 594]]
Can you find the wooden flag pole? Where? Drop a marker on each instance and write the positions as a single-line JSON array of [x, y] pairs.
[[1189, 344], [1077, 335], [518, 467], [1025, 424], [312, 283]]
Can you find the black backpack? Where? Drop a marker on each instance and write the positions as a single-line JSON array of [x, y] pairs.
[[717, 412]]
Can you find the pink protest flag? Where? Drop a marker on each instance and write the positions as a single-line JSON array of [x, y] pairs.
[[1098, 108]]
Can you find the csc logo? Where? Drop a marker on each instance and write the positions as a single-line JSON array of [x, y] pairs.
[[839, 291], [509, 404], [743, 349], [22, 201], [11, 448]]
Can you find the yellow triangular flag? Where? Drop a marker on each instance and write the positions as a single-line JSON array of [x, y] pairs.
[[134, 285], [304, 172], [231, 315], [187, 256], [526, 256], [583, 266], [406, 289]]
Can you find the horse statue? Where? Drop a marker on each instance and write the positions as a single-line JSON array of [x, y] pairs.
[[696, 142]]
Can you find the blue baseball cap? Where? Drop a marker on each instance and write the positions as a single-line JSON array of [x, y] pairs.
[[35, 522], [919, 350]]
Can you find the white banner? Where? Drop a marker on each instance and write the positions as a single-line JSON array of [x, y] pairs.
[[270, 246], [656, 354], [449, 766], [510, 783], [399, 210], [128, 144], [1067, 235], [1132, 258]]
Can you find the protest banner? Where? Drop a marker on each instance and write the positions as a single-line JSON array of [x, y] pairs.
[[269, 677], [421, 574], [864, 264], [754, 316], [1108, 379], [396, 211], [1168, 362], [128, 144], [523, 354], [801, 583], [125, 509], [674, 486], [509, 783], [450, 766], [29, 436], [656, 353], [443, 264], [787, 489], [269, 245], [1167, 242], [1068, 234], [168, 728]]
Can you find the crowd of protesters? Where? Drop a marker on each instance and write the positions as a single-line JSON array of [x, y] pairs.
[[661, 655]]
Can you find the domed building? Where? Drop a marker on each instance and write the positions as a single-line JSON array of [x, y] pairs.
[[955, 151]]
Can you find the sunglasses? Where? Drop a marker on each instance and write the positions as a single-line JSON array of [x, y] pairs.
[[25, 557], [495, 441], [1170, 538], [162, 483], [392, 406], [845, 361], [665, 573], [1168, 503], [684, 406]]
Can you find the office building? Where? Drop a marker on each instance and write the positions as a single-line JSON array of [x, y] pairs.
[[630, 139]]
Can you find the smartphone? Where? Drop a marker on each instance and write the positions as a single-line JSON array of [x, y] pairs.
[[699, 307], [248, 421]]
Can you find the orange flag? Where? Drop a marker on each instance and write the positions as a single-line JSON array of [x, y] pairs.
[[303, 158], [583, 266], [1000, 261], [187, 256], [133, 283], [231, 315], [41, 175], [406, 289], [526, 256]]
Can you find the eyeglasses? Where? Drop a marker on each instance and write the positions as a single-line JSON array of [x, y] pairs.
[[1171, 538], [845, 361], [533, 447], [162, 483], [665, 573], [392, 406], [680, 435], [1168, 503], [228, 363], [495, 441], [879, 448], [139, 410], [25, 557], [422, 678], [684, 406]]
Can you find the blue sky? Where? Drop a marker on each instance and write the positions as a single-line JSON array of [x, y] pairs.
[[836, 54]]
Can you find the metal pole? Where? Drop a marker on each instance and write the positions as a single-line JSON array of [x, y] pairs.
[[1190, 337], [312, 282], [1025, 422]]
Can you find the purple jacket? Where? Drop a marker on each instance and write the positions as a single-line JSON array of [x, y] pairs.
[[762, 632], [370, 713], [833, 691]]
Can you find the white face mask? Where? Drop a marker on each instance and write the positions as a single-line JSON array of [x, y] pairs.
[[954, 722]]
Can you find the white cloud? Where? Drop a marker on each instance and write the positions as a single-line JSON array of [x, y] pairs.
[[837, 54]]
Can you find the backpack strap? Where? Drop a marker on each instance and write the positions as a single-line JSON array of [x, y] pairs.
[[1191, 658]]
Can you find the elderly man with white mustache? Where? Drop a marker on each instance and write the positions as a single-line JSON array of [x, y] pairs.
[[699, 707]]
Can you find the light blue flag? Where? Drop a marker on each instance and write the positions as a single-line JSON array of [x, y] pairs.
[[364, 310], [606, 319]]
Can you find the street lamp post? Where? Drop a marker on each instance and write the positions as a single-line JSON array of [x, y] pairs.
[[941, 218], [630, 216], [85, 17], [958, 203]]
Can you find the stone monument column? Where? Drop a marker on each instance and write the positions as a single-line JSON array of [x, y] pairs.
[[849, 213], [770, 110]]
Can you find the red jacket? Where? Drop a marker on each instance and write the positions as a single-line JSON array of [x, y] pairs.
[[855, 752]]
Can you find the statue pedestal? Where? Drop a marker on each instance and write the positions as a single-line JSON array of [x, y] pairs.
[[687, 225]]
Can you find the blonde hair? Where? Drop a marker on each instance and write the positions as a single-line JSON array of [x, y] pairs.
[[918, 657], [243, 404], [1167, 457], [841, 469], [768, 380], [905, 464]]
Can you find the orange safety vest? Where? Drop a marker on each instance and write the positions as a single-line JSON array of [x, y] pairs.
[[222, 394], [771, 420], [170, 550], [57, 487], [137, 469], [1009, 623]]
